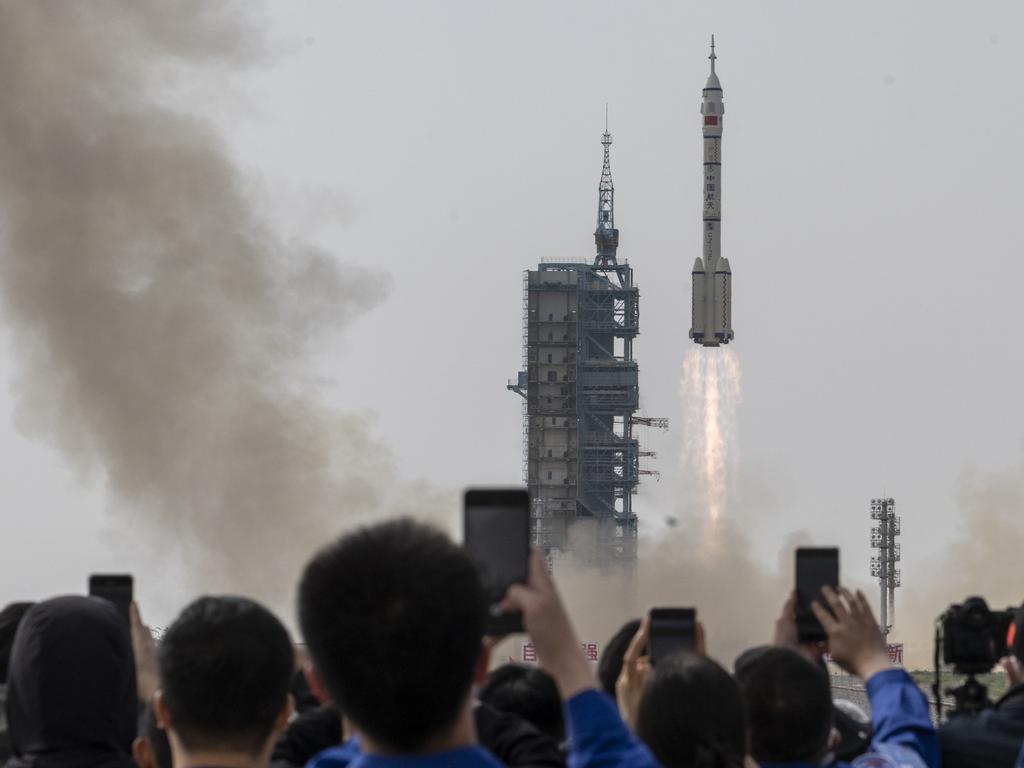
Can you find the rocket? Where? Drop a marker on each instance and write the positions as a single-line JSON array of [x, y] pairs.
[[712, 278]]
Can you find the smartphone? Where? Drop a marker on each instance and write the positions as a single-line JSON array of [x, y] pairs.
[[816, 567], [496, 525], [115, 587], [672, 630]]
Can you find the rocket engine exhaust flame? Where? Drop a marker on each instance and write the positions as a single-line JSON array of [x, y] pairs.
[[710, 393]]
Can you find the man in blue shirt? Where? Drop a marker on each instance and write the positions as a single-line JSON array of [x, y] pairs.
[[789, 704], [393, 617]]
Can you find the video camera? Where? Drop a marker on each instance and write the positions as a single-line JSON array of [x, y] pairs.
[[973, 639]]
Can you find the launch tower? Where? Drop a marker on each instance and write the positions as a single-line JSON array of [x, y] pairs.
[[579, 383]]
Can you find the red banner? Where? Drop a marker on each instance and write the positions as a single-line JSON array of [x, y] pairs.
[[529, 653]]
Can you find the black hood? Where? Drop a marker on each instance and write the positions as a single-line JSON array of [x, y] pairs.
[[71, 696]]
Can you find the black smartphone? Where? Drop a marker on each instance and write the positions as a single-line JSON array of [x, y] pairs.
[[496, 526], [816, 567], [672, 630], [115, 587]]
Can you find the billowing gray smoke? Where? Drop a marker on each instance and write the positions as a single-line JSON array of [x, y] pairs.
[[737, 598], [984, 559], [162, 329]]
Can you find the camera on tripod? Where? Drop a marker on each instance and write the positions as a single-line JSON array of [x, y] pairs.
[[973, 639]]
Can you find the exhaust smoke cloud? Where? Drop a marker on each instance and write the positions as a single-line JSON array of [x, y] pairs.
[[163, 331], [705, 559]]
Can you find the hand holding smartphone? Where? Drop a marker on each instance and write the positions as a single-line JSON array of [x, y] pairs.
[[115, 587], [672, 630], [496, 524], [816, 567]]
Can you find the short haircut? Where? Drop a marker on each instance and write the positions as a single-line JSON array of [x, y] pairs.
[[393, 616], [10, 618], [691, 714], [528, 692], [789, 704], [156, 736], [225, 667], [610, 664]]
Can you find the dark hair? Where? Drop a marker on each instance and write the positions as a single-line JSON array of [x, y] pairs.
[[10, 618], [225, 667], [789, 704], [528, 692], [72, 697], [156, 736], [691, 714], [393, 615], [610, 664]]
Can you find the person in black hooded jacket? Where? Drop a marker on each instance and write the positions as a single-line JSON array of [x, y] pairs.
[[71, 696]]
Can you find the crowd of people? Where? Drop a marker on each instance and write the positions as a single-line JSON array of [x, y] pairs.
[[396, 670]]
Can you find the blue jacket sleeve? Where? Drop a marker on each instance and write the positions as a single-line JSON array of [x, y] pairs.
[[899, 714], [1020, 758], [598, 738], [336, 757]]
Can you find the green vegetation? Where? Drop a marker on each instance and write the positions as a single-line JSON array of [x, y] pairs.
[[996, 682]]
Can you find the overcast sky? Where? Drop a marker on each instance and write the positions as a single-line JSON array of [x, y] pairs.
[[873, 180]]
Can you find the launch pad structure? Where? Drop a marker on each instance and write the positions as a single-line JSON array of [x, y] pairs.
[[580, 389]]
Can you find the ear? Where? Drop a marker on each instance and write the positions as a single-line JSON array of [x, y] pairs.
[[834, 738], [142, 752], [163, 714], [483, 663], [281, 723], [316, 685]]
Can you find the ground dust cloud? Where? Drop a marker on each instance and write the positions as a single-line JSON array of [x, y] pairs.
[[163, 332]]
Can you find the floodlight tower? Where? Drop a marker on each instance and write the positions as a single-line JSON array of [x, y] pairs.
[[883, 567]]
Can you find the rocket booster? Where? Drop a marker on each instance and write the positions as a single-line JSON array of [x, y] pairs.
[[712, 278]]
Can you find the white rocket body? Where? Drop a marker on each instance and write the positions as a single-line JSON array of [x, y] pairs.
[[712, 278]]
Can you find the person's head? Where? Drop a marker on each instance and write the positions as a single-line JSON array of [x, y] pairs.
[[393, 617], [10, 618], [225, 667], [528, 692], [789, 705], [609, 666], [691, 714], [71, 692], [151, 748]]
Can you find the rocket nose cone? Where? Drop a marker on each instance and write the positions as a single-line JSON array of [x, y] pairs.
[[723, 266], [712, 82], [698, 265]]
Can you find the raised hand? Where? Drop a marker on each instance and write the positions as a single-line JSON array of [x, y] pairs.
[[550, 629], [147, 673], [636, 668], [854, 638]]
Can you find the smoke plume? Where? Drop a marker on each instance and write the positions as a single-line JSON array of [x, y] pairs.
[[703, 559], [983, 559], [163, 331]]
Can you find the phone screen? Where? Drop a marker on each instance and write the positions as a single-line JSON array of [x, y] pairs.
[[815, 568], [672, 630], [497, 535], [115, 587]]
